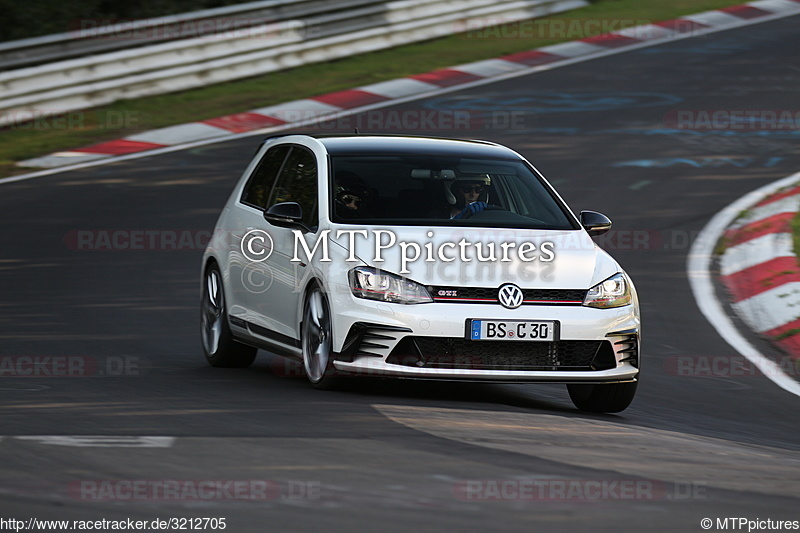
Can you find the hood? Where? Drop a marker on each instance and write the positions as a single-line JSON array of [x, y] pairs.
[[480, 257]]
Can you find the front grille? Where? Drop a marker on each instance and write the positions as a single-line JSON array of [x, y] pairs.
[[447, 352], [489, 295]]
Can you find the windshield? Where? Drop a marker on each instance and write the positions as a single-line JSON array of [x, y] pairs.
[[413, 190]]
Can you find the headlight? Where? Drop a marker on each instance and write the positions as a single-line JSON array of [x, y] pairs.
[[374, 284], [613, 292]]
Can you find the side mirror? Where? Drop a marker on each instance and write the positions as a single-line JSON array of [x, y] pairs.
[[286, 215], [595, 223]]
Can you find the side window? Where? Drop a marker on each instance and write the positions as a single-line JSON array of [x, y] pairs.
[[263, 178], [298, 182]]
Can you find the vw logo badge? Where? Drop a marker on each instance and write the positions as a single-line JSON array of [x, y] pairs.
[[510, 296]]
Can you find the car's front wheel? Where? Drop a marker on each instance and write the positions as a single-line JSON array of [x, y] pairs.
[[318, 340], [220, 347], [605, 398]]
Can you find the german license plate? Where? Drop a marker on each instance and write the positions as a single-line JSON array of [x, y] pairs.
[[512, 330]]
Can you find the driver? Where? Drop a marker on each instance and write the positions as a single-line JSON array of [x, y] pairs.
[[467, 196]]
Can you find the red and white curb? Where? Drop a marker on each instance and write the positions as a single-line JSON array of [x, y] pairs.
[[761, 271], [302, 111], [736, 223]]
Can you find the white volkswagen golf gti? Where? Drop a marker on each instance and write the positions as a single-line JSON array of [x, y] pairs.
[[416, 257]]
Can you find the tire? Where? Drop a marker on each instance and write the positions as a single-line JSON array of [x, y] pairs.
[[219, 346], [610, 398], [317, 340]]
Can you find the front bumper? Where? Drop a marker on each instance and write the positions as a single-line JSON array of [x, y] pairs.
[[375, 339]]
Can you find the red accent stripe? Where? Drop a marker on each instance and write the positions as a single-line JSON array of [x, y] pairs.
[[446, 77], [761, 278], [532, 58], [781, 195], [494, 300], [682, 25], [349, 99], [611, 40], [746, 12], [119, 147], [553, 301], [451, 299], [780, 223], [240, 122]]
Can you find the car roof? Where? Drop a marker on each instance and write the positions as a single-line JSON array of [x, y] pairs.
[[389, 144]]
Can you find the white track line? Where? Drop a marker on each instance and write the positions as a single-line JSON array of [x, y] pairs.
[[698, 267], [100, 441]]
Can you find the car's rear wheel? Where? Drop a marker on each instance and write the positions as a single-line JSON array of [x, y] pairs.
[[605, 398], [219, 346], [318, 340]]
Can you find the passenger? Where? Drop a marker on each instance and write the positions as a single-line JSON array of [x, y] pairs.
[[350, 195]]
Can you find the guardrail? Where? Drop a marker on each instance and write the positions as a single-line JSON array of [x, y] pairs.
[[95, 36], [343, 29]]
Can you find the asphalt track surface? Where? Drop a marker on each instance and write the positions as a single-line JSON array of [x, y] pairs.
[[399, 456]]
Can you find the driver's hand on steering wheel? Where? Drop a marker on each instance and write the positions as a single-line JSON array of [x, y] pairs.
[[471, 209]]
